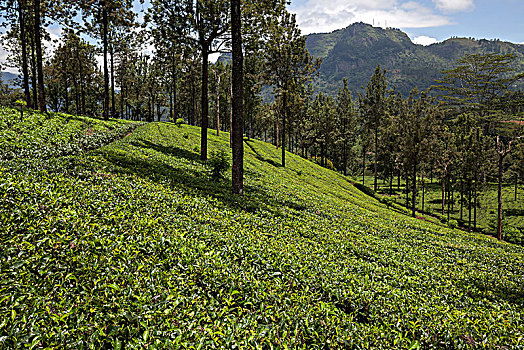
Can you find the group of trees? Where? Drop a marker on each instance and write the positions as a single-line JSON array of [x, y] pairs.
[[262, 89]]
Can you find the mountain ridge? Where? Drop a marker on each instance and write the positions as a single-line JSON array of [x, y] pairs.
[[8, 78], [355, 51]]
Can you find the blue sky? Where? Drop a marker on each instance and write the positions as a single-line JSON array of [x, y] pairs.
[[425, 21]]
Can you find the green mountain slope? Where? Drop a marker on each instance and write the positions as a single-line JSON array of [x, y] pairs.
[[133, 244], [8, 78], [355, 51]]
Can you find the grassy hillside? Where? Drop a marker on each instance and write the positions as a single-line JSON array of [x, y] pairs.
[[133, 245]]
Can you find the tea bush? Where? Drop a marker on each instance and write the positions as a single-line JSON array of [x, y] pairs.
[[132, 245]]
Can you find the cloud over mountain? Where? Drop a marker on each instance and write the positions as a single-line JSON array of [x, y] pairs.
[[317, 16]]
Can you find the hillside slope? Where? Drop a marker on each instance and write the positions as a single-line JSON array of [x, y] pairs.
[[355, 51], [133, 245]]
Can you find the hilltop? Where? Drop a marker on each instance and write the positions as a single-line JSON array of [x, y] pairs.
[[122, 238], [355, 51], [8, 78]]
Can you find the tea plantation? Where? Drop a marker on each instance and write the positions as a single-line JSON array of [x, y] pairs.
[[132, 244]]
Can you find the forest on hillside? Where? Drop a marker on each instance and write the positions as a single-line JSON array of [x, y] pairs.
[[466, 132]]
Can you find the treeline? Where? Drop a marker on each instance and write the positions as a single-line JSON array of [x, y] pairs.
[[454, 132]]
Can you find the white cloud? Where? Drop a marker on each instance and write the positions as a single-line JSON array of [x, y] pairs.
[[3, 56], [454, 5], [424, 40], [317, 16], [55, 34]]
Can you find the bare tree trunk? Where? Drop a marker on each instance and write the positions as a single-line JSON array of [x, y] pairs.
[[34, 83], [363, 165], [502, 153], [423, 192], [204, 103], [284, 115], [237, 97], [469, 205], [443, 193], [231, 113], [376, 166], [39, 59], [218, 77], [106, 72], [277, 138], [516, 186], [414, 191], [23, 41], [174, 105], [461, 199], [112, 75]]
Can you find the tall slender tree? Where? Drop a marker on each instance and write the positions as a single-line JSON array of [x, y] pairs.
[[373, 109], [288, 63], [238, 97]]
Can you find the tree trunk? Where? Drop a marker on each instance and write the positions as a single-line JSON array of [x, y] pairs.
[[423, 192], [106, 71], [407, 190], [237, 97], [34, 83], [23, 41], [461, 199], [414, 191], [122, 94], [39, 59], [516, 186], [82, 89], [174, 105], [193, 103], [376, 165], [284, 115], [443, 193], [322, 155], [502, 153], [363, 166], [218, 76], [469, 206], [66, 92], [112, 76], [231, 113], [204, 103], [391, 183], [345, 148], [277, 138]]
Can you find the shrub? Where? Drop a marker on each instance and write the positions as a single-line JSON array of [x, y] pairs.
[[179, 122], [512, 234], [22, 104], [364, 189], [327, 163], [185, 135], [453, 223], [219, 163], [386, 200]]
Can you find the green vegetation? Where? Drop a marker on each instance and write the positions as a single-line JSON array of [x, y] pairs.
[[486, 217], [355, 51], [37, 136], [134, 245]]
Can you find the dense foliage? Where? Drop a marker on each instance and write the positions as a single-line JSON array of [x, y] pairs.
[[355, 51], [135, 245]]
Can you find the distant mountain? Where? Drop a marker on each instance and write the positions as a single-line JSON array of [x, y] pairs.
[[8, 78], [355, 51]]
